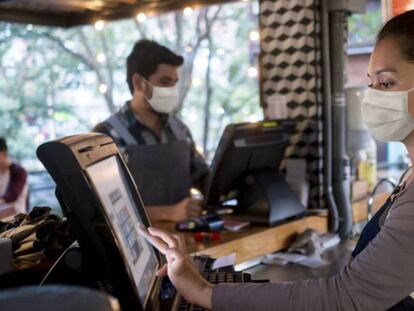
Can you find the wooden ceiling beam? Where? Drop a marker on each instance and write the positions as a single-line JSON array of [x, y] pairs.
[[122, 11], [27, 17]]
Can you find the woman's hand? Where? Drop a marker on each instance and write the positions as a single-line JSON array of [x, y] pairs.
[[179, 267]]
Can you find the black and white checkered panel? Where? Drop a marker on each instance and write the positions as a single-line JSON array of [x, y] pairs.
[[290, 66]]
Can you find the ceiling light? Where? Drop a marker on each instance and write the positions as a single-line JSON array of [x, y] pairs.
[[141, 17], [99, 25], [103, 88], [254, 35], [188, 11], [100, 57], [252, 72]]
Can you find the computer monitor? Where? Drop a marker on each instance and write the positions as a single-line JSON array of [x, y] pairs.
[[246, 167], [104, 208]]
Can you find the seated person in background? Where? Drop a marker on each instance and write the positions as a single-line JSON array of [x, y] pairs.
[[157, 146], [13, 184]]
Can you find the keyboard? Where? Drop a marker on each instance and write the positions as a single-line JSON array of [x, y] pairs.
[[225, 275], [203, 263]]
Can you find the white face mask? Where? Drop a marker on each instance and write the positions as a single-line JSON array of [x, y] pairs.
[[386, 114], [164, 99]]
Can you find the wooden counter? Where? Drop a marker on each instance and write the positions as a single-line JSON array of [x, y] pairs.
[[253, 242], [257, 241]]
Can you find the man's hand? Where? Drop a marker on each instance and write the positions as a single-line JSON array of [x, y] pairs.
[[180, 268], [182, 210], [193, 208], [185, 209]]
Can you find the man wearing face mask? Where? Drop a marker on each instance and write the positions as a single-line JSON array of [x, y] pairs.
[[157, 147]]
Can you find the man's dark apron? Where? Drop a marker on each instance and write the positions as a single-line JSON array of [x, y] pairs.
[[161, 171], [372, 228]]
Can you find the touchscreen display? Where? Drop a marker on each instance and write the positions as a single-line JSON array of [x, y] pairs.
[[110, 184]]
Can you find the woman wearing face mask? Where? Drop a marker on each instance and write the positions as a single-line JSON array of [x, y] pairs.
[[381, 274]]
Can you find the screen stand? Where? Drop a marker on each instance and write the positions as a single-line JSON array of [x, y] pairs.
[[266, 198]]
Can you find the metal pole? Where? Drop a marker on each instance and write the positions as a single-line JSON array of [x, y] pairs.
[[327, 120], [341, 165]]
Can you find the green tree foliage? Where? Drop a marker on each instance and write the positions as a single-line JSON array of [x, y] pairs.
[[29, 79], [363, 27], [58, 82]]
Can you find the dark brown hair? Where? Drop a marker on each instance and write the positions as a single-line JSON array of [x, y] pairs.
[[401, 29]]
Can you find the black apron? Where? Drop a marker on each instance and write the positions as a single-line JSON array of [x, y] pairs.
[[372, 228], [161, 171]]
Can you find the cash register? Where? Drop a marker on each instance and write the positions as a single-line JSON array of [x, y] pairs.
[[246, 170], [103, 205]]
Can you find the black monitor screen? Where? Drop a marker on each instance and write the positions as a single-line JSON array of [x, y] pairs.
[[109, 183], [246, 148]]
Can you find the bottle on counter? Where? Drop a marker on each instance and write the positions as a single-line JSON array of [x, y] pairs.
[[367, 167]]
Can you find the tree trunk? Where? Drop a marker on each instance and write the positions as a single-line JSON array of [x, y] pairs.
[[100, 77], [209, 93], [178, 18], [110, 75]]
